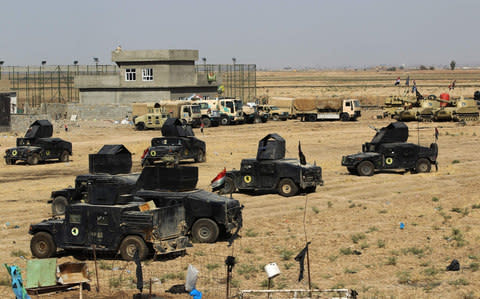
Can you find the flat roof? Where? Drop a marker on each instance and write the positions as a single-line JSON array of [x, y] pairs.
[[122, 56]]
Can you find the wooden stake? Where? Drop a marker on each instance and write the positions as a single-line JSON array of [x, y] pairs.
[[96, 268]]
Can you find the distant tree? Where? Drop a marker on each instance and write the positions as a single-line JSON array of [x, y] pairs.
[[452, 64], [391, 69], [431, 68], [423, 68], [401, 67]]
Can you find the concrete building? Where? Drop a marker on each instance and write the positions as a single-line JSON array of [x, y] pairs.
[[147, 76]]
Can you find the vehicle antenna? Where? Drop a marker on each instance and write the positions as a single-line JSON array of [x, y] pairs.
[[306, 241]]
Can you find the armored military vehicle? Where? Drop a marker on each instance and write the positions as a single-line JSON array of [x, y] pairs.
[[389, 150], [178, 142], [275, 113], [253, 114], [457, 110], [38, 145], [122, 228], [207, 214], [272, 171]]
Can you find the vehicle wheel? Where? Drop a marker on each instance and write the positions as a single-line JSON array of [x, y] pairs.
[[365, 168], [264, 119], [205, 230], [140, 126], [284, 119], [312, 117], [224, 121], [9, 161], [64, 157], [130, 244], [287, 188], [257, 120], [33, 159], [275, 117], [423, 165], [206, 122], [352, 170], [42, 245], [228, 185], [200, 156], [344, 117], [59, 205]]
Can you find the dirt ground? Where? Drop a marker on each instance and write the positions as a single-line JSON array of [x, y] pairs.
[[440, 211]]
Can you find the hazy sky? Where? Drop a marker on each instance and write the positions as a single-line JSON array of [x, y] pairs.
[[269, 33]]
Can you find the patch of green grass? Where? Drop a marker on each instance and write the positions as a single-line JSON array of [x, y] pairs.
[[332, 258], [264, 283], [18, 253], [286, 254], [105, 266], [459, 282], [474, 267], [315, 210], [391, 261], [455, 161], [248, 250], [352, 205], [329, 204], [115, 282], [357, 237], [346, 251], [250, 233], [235, 283], [435, 199], [372, 229], [199, 253], [414, 250], [364, 245], [432, 271], [403, 277], [211, 267], [456, 236], [172, 276], [383, 211], [381, 243], [339, 285], [243, 269], [349, 271], [288, 265]]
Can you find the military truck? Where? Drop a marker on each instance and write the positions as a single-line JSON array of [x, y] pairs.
[[389, 150], [178, 142], [312, 109], [210, 116], [284, 104], [166, 187], [123, 228], [38, 145], [231, 111], [148, 116], [272, 171]]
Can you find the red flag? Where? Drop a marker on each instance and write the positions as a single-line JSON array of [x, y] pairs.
[[436, 134], [219, 180]]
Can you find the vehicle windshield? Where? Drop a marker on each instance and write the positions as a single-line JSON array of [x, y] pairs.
[[166, 141], [238, 105], [196, 108], [203, 105], [274, 108], [356, 103]]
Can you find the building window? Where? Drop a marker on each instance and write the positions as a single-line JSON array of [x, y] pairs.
[[147, 74], [130, 75]]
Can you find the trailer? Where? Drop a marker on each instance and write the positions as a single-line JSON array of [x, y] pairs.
[[312, 109]]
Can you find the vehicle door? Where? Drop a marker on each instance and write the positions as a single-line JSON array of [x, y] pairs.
[[408, 155], [149, 119], [101, 226], [348, 107], [76, 225], [248, 172], [186, 113], [267, 174]]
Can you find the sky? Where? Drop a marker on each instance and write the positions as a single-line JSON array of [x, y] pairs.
[[269, 33]]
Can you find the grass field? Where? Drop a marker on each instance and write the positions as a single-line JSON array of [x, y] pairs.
[[346, 216]]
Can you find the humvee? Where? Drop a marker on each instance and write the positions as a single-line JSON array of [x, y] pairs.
[[389, 150], [272, 171], [112, 228], [274, 112], [37, 146], [178, 142], [207, 214]]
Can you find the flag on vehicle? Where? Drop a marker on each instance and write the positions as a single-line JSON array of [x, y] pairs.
[[219, 180], [301, 156], [436, 134]]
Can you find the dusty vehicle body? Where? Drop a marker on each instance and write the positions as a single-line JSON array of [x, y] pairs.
[[112, 228], [231, 110], [38, 145], [210, 115], [148, 116], [285, 104], [253, 114], [312, 109], [179, 143], [272, 171], [389, 149], [274, 113]]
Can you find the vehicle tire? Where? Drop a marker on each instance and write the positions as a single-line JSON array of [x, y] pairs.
[[284, 119], [206, 122], [352, 170], [312, 117], [344, 116], [365, 168], [257, 120], [130, 244], [200, 156], [59, 204], [140, 126], [423, 165], [275, 117], [33, 159], [224, 121], [9, 161], [228, 185], [264, 119], [42, 245], [205, 230], [64, 157], [287, 188]]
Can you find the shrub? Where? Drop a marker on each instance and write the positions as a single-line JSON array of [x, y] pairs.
[[357, 237], [381, 243], [250, 233]]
